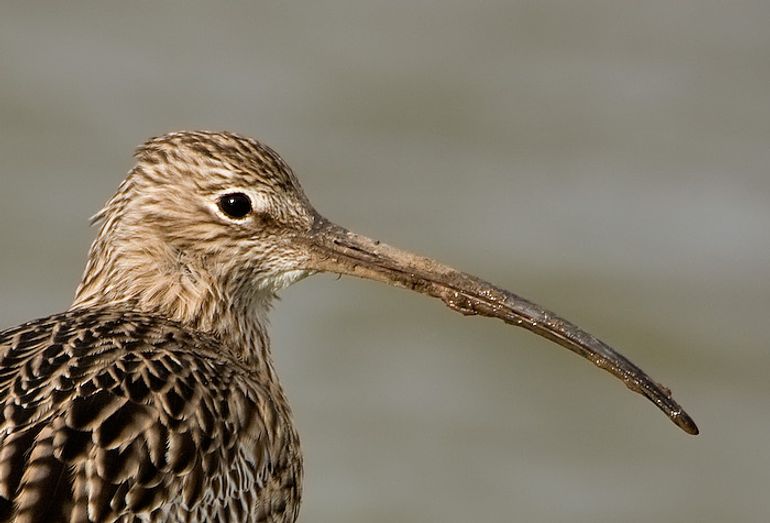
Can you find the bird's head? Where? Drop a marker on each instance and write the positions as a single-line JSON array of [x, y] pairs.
[[202, 219], [210, 225]]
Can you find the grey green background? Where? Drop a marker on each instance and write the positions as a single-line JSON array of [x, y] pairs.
[[606, 159]]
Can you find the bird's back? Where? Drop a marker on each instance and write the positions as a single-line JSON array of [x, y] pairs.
[[111, 415]]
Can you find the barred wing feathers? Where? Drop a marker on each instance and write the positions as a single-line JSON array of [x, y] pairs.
[[118, 416]]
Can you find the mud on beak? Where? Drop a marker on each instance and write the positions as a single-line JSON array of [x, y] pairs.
[[337, 250]]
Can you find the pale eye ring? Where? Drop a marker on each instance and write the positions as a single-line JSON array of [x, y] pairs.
[[235, 205]]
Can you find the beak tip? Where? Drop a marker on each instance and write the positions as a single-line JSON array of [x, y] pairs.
[[686, 423]]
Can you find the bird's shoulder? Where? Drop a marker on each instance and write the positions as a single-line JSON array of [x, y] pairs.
[[106, 412], [92, 331]]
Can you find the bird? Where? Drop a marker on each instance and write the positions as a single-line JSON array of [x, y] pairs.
[[154, 397]]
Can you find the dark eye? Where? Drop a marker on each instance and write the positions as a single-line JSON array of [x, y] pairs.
[[235, 205]]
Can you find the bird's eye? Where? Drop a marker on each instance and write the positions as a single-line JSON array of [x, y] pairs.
[[235, 205]]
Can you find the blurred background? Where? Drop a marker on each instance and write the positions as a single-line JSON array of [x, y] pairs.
[[608, 160]]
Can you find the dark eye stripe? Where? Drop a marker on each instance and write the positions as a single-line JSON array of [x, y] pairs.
[[235, 205]]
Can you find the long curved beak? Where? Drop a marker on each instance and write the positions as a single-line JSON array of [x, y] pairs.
[[337, 250]]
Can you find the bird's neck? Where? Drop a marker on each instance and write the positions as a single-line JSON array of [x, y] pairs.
[[154, 280]]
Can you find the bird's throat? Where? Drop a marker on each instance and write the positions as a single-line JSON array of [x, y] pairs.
[[155, 280]]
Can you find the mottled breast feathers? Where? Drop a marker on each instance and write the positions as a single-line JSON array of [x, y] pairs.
[[107, 415]]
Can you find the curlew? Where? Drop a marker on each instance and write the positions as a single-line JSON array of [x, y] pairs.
[[154, 397]]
